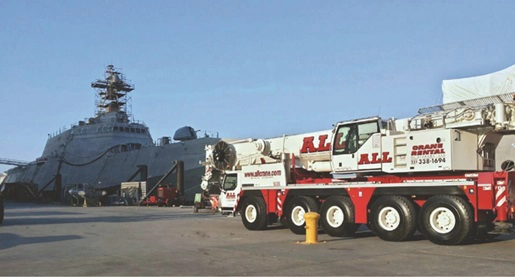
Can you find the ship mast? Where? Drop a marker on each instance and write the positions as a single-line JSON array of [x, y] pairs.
[[112, 92]]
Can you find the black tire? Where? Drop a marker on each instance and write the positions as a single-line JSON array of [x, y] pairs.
[[483, 228], [337, 217], [295, 211], [272, 218], [447, 220], [253, 213], [484, 237], [393, 218]]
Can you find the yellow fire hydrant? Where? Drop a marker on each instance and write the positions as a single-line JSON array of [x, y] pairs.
[[311, 227]]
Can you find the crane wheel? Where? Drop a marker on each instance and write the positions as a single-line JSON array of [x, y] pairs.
[[295, 211], [393, 218], [337, 217], [253, 213], [447, 220]]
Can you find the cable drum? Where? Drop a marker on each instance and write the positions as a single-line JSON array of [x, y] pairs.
[[223, 156]]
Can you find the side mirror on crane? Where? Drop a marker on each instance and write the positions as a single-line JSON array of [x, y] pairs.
[[507, 165]]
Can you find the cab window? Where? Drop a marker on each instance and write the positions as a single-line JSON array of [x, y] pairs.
[[365, 131], [345, 140], [349, 138], [230, 182]]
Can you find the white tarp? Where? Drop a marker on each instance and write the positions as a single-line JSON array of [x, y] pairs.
[[499, 82]]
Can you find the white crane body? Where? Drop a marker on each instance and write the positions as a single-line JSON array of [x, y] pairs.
[[370, 171]]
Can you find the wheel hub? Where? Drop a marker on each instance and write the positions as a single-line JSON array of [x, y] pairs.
[[250, 213], [335, 217], [442, 220], [389, 218], [297, 215]]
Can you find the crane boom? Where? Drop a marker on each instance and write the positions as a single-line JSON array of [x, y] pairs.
[[310, 150]]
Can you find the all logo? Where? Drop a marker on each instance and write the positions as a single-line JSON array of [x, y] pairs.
[[308, 144], [375, 158]]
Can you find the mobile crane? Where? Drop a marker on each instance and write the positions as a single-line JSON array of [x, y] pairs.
[[446, 172]]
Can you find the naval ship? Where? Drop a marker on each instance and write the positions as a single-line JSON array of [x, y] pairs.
[[110, 148]]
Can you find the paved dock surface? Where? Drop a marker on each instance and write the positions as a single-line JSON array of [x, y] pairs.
[[52, 240]]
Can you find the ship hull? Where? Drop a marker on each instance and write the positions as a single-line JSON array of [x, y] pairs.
[[114, 168]]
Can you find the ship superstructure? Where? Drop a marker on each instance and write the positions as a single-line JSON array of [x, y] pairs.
[[110, 129]]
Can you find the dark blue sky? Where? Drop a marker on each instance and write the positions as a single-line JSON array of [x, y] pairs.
[[239, 68]]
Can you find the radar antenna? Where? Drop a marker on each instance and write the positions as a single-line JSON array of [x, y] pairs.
[[112, 92]]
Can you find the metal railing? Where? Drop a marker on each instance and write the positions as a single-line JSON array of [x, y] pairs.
[[12, 162]]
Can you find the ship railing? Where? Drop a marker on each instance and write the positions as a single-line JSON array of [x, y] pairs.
[[13, 162], [138, 122], [207, 134], [58, 132], [81, 123]]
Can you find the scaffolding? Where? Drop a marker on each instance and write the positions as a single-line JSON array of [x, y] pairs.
[[112, 92]]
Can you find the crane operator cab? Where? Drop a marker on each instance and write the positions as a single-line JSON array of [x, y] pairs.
[[354, 138], [229, 191]]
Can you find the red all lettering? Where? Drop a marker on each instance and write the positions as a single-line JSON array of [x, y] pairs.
[[386, 159], [364, 158], [308, 145], [322, 146]]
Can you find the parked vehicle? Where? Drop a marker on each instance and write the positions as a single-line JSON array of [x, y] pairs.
[[446, 172]]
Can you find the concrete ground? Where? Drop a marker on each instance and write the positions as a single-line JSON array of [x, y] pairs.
[[38, 239]]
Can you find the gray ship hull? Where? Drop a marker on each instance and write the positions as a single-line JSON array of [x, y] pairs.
[[113, 169]]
